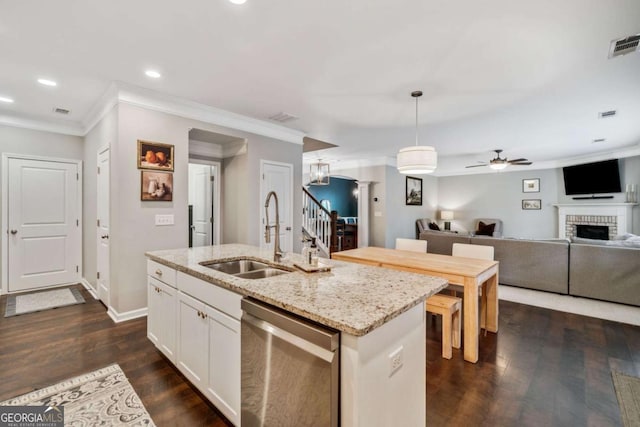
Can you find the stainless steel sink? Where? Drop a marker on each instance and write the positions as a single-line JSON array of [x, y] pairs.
[[245, 268], [262, 274], [236, 266]]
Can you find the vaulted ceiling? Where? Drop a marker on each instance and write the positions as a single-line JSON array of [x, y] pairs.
[[527, 77]]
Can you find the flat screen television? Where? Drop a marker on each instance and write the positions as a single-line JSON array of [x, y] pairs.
[[592, 178]]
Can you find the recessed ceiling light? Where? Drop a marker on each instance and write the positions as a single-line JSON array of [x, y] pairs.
[[47, 82], [238, 1], [5, 99], [153, 74]]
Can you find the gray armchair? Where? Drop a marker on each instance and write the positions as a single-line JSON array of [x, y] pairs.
[[497, 231], [422, 224]]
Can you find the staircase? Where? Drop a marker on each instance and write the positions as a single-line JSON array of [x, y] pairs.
[[318, 222]]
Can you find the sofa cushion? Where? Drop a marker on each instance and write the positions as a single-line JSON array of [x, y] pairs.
[[440, 242], [485, 229], [434, 226]]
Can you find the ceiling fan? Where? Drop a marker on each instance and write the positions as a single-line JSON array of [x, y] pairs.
[[500, 163]]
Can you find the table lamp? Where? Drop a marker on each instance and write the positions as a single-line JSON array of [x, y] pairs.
[[447, 216]]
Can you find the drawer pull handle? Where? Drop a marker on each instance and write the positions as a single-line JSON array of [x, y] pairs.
[[159, 272]]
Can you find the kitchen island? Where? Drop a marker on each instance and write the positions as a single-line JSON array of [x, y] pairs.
[[379, 312]]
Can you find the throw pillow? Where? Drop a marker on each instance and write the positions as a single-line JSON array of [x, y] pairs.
[[434, 226], [485, 229]]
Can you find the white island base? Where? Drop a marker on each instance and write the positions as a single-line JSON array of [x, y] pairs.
[[373, 395]]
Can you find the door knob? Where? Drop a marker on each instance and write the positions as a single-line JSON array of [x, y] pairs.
[[14, 231], [288, 228]]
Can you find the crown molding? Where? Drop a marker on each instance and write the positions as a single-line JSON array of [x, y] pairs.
[[24, 122], [338, 165], [152, 100], [101, 108]]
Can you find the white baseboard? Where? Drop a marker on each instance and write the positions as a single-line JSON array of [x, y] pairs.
[[89, 288], [584, 306], [127, 315]]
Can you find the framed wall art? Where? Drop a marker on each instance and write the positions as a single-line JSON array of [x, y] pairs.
[[156, 186], [413, 191], [153, 155], [531, 185], [532, 204]]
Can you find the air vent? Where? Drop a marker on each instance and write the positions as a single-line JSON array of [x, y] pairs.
[[283, 117], [623, 46], [61, 110], [595, 141], [607, 114]]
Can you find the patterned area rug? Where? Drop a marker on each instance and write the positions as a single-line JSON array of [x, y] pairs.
[[43, 300], [628, 392], [101, 398]]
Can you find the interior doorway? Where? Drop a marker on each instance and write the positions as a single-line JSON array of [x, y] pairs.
[[204, 203]]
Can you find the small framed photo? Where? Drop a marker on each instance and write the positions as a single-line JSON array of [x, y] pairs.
[[414, 191], [531, 185], [156, 186], [532, 204], [153, 155]]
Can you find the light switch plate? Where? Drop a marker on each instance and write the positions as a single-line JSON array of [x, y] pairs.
[[164, 219]]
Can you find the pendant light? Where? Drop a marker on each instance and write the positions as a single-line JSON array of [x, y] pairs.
[[417, 159], [319, 173]]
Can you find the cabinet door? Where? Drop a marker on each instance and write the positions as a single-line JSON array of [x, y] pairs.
[[193, 340], [153, 312], [167, 321], [223, 384]]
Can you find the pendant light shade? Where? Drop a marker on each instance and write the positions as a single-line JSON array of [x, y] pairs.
[[319, 173], [417, 159]]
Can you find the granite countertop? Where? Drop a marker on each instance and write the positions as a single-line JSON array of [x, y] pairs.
[[352, 298]]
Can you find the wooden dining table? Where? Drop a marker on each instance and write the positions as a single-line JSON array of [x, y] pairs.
[[471, 273]]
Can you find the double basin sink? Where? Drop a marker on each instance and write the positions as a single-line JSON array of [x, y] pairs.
[[246, 268]]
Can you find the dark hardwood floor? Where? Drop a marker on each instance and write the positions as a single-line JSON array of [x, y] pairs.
[[40, 349], [544, 368]]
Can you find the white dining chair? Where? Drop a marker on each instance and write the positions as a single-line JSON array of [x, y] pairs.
[[413, 245], [480, 252]]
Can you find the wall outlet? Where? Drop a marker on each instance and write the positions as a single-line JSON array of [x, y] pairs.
[[164, 219], [396, 360]]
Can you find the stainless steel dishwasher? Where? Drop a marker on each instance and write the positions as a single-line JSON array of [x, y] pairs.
[[290, 369]]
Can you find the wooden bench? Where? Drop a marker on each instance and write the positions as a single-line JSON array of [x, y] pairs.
[[449, 308]]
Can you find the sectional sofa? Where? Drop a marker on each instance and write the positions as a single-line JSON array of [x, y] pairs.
[[591, 269]]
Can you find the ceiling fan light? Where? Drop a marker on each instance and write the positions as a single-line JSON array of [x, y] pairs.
[[417, 159], [498, 166]]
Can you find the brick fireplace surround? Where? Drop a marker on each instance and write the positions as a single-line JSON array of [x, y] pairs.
[[616, 216]]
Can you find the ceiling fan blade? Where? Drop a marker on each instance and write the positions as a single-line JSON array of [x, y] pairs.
[[475, 166], [522, 163], [517, 160]]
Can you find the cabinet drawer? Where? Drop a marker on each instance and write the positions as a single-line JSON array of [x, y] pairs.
[[161, 272], [222, 299]]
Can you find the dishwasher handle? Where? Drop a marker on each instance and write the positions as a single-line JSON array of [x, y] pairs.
[[322, 337]]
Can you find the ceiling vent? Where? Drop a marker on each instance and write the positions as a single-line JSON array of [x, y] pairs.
[[283, 117], [607, 114], [61, 111], [623, 46], [595, 141]]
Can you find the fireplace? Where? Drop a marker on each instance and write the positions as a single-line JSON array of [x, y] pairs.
[[616, 216], [587, 231]]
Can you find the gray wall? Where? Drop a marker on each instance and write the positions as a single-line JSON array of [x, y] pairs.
[[102, 134], [132, 221], [15, 140]]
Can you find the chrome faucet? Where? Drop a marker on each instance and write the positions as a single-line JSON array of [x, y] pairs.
[[277, 252]]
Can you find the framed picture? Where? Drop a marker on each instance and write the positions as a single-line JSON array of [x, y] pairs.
[[531, 185], [532, 204], [153, 155], [414, 191], [156, 186]]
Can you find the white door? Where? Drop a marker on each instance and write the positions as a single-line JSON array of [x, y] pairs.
[[201, 199], [43, 218], [102, 197], [277, 177]]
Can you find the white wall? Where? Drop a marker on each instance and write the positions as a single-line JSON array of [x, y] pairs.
[[15, 140], [103, 133]]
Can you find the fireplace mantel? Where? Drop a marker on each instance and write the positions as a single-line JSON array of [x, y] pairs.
[[622, 211]]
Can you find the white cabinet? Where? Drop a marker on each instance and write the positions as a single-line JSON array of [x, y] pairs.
[[193, 340], [223, 384], [161, 328]]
